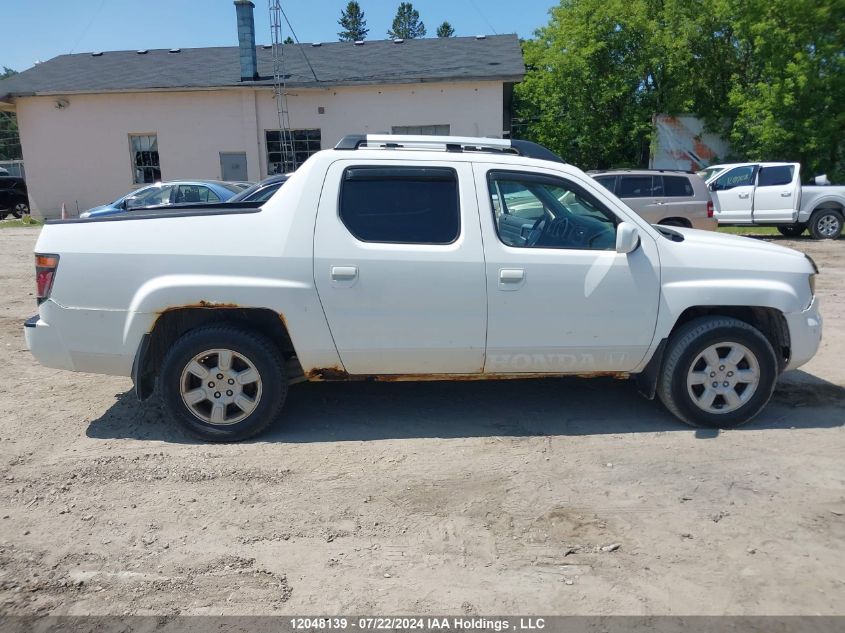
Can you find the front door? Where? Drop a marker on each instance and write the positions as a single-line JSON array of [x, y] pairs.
[[399, 267], [778, 192], [233, 166], [561, 299], [733, 195]]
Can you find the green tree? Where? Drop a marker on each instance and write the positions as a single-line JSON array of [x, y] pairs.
[[767, 74], [288, 40], [7, 72], [353, 23], [787, 94], [445, 30], [406, 24]]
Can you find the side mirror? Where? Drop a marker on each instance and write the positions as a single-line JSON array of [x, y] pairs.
[[627, 238], [712, 186]]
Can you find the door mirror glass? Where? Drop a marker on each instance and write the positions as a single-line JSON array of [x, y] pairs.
[[627, 238]]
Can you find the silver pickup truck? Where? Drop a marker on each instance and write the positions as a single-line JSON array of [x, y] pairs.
[[771, 194]]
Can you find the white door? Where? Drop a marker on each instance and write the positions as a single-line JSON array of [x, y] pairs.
[[561, 298], [778, 193], [733, 195], [399, 267]]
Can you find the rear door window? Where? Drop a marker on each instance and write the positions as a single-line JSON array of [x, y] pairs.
[[677, 187], [403, 205], [774, 176], [608, 182], [636, 187]]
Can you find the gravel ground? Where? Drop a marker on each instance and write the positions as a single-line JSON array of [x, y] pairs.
[[548, 496]]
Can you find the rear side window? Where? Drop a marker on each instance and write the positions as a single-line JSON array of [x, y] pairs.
[[404, 205], [774, 176], [677, 187], [635, 187], [608, 182]]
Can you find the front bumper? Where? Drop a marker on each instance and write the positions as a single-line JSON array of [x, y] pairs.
[[805, 334]]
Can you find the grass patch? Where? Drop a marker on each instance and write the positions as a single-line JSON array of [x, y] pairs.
[[749, 230], [24, 221]]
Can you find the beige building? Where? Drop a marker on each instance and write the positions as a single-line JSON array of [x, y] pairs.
[[95, 125]]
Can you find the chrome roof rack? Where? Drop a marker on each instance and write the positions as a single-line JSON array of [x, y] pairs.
[[449, 144]]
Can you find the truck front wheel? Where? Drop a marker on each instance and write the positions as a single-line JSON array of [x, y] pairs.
[[718, 372], [826, 224], [223, 383]]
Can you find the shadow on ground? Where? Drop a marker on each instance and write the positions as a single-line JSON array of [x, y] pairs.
[[330, 412]]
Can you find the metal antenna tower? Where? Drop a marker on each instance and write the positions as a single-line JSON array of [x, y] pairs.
[[280, 87]]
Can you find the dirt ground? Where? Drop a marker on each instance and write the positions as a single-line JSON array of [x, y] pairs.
[[518, 497]]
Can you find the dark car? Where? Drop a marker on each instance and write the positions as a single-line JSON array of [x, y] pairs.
[[262, 191], [13, 197]]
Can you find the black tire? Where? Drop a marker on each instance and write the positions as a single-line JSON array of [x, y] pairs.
[[20, 209], [258, 349], [826, 224], [684, 348], [792, 230]]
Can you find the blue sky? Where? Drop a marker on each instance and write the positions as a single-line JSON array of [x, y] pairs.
[[36, 30]]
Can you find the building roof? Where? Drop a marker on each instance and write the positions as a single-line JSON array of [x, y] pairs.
[[495, 57]]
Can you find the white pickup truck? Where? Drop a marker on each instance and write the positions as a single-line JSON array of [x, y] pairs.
[[771, 194], [419, 258]]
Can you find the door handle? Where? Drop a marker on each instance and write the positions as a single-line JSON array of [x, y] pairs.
[[340, 273], [743, 196], [511, 275], [785, 194]]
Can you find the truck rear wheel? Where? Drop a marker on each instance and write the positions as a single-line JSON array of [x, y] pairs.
[[826, 224], [718, 372], [223, 383]]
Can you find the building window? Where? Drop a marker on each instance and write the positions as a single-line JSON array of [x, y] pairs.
[[422, 130], [145, 164], [287, 151]]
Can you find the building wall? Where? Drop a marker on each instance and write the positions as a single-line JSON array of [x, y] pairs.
[[79, 155]]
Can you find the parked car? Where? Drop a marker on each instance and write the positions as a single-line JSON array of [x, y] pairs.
[[261, 191], [771, 194], [13, 197], [168, 193], [388, 258], [671, 198]]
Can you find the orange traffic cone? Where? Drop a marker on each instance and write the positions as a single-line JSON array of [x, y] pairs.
[[64, 212]]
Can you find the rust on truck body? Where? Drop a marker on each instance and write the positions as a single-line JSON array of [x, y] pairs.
[[326, 374]]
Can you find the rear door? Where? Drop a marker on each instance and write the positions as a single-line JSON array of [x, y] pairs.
[[778, 193], [399, 267], [679, 198], [733, 194], [644, 194]]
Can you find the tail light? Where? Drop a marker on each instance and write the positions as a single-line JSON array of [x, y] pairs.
[[45, 273], [709, 208]]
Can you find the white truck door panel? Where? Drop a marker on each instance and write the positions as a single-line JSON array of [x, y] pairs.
[[778, 193], [396, 307], [561, 310], [733, 195]]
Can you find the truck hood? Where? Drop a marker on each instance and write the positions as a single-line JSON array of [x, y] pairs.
[[740, 252]]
